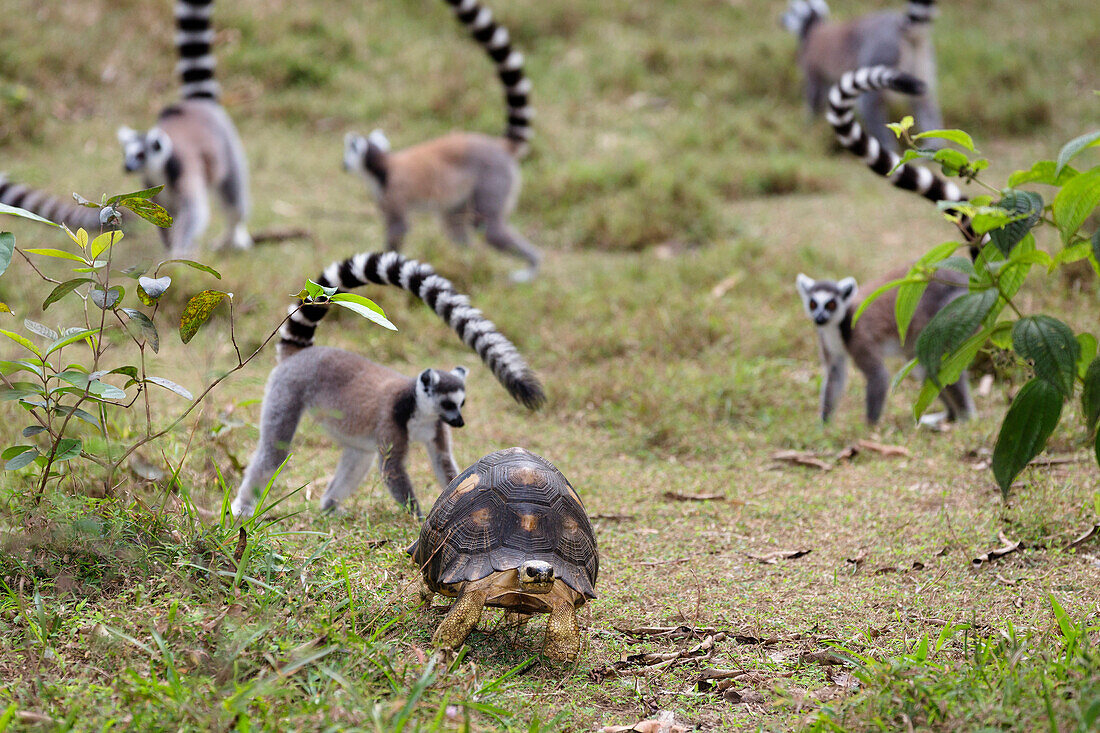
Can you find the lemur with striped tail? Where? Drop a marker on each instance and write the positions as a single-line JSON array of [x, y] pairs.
[[831, 306], [194, 148], [366, 407], [882, 160], [902, 40], [464, 177]]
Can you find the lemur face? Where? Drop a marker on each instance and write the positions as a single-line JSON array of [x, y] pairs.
[[826, 301], [443, 394], [145, 152]]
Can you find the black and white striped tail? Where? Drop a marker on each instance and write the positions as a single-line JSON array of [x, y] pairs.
[[920, 11], [841, 115], [420, 279], [195, 42], [498, 44], [48, 207]]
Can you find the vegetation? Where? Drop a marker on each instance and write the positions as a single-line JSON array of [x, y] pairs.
[[677, 189]]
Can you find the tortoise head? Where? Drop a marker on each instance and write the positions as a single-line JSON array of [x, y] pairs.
[[536, 576]]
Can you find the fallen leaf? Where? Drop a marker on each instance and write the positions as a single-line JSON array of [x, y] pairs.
[[375, 544], [742, 697], [847, 454], [725, 285], [858, 558], [771, 558], [1007, 546], [242, 542], [1085, 537], [801, 458], [678, 496], [665, 722], [883, 448], [613, 517]]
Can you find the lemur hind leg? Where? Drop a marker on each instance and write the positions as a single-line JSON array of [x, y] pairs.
[[350, 471], [234, 198], [960, 405], [397, 479], [282, 409], [461, 619], [456, 223]]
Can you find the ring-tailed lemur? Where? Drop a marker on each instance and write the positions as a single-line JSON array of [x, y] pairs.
[[901, 40], [366, 407], [883, 160], [874, 336], [466, 178], [194, 147], [48, 207]]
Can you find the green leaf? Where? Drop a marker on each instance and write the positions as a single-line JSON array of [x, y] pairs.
[[67, 448], [900, 128], [129, 371], [875, 295], [1090, 395], [64, 289], [1075, 202], [149, 289], [195, 265], [107, 299], [105, 241], [908, 367], [79, 414], [1088, 345], [170, 385], [952, 161], [910, 155], [16, 211], [1043, 171], [19, 456], [22, 341], [1017, 202], [92, 386], [7, 249], [58, 254], [909, 295], [198, 311], [147, 327], [364, 307], [71, 338], [950, 327], [4, 307], [10, 367], [32, 430], [958, 263], [1075, 146], [928, 393], [37, 328], [956, 136], [150, 211], [145, 193], [1096, 245], [1029, 422], [1050, 345]]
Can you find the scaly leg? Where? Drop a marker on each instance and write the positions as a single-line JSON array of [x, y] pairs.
[[461, 620], [563, 633]]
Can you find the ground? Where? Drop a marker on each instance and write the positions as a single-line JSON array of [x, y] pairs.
[[676, 188]]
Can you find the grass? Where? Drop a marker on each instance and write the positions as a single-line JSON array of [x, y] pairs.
[[672, 157]]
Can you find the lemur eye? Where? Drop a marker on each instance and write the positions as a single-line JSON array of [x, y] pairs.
[[447, 405], [813, 304], [830, 306]]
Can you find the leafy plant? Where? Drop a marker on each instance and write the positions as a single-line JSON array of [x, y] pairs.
[[1058, 359], [60, 384]]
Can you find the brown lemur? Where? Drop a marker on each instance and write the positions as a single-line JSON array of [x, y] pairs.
[[194, 149], [466, 178], [827, 49], [366, 407]]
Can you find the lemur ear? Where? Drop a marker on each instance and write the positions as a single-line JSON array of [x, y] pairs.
[[460, 372], [126, 134], [848, 288], [429, 378], [378, 139], [804, 283]]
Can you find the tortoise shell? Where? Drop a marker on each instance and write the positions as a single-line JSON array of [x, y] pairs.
[[509, 507]]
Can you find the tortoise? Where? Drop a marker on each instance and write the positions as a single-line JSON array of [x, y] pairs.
[[509, 532]]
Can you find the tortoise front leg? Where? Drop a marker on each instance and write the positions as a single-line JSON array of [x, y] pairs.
[[461, 620], [563, 633]]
